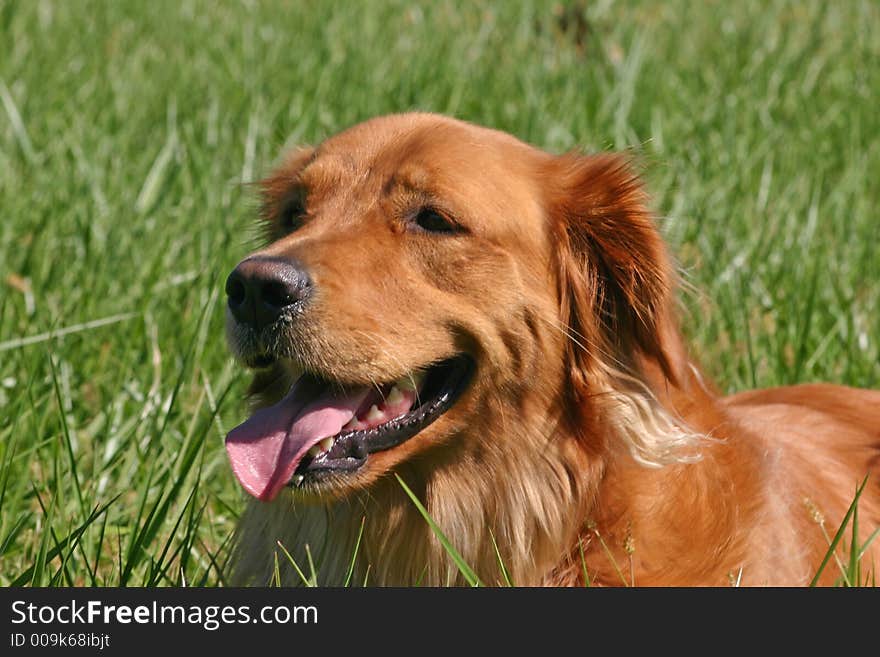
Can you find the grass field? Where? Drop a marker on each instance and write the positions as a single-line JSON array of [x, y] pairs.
[[127, 130]]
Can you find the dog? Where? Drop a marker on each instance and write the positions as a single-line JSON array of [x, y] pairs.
[[444, 307]]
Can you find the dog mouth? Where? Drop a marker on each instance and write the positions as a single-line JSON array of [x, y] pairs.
[[323, 428]]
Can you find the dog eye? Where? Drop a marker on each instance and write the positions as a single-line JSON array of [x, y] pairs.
[[432, 221], [292, 215]]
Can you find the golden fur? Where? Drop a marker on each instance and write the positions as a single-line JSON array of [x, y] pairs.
[[587, 428]]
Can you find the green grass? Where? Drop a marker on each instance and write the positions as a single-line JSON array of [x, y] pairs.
[[127, 129]]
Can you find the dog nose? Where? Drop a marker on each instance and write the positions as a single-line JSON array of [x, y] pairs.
[[261, 288]]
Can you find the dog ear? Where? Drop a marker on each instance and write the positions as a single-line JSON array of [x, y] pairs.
[[615, 276], [276, 188]]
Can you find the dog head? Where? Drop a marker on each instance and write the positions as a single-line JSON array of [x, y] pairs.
[[426, 280]]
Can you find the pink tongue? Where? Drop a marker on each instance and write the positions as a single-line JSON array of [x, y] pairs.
[[265, 450]]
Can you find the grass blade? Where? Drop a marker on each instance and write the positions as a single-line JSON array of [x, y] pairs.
[[587, 582], [466, 571], [18, 129], [853, 570], [68, 444], [33, 573], [13, 533], [366, 576], [149, 193], [305, 580], [76, 328], [839, 534], [862, 550], [357, 546], [504, 573]]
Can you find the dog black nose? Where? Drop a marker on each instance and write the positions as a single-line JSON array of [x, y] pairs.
[[261, 288]]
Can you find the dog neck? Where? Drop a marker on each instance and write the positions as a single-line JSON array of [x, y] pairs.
[[543, 513], [637, 532]]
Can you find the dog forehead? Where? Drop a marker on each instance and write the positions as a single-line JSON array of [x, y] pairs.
[[423, 144], [438, 155]]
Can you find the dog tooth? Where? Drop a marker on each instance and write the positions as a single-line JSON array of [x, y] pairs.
[[298, 479], [395, 396], [315, 450], [326, 444], [374, 415]]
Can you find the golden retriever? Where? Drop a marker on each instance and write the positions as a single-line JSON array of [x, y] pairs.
[[496, 325]]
